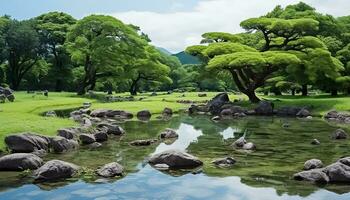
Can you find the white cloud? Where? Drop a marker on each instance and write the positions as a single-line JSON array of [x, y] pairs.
[[177, 30]]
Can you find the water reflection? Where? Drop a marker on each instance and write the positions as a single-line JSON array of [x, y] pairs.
[[187, 135], [261, 175]]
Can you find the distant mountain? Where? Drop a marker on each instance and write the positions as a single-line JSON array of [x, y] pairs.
[[186, 58], [163, 50]]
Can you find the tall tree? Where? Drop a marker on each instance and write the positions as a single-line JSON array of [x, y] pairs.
[[286, 46], [22, 50], [102, 45], [53, 28]]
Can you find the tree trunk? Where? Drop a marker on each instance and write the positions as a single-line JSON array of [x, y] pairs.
[[133, 88], [58, 85], [304, 91], [277, 92], [293, 92], [266, 93], [334, 92], [252, 96]]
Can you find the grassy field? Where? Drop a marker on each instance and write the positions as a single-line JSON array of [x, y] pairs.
[[25, 113]]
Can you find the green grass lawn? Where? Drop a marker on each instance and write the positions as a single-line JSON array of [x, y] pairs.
[[25, 113]]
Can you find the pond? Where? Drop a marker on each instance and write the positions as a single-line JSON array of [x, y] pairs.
[[261, 175]]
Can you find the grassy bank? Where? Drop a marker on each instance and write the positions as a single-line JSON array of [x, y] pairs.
[[25, 113]]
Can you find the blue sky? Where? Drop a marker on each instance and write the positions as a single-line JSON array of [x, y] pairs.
[[171, 24], [22, 9]]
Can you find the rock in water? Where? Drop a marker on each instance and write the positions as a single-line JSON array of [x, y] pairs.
[[69, 133], [303, 113], [99, 113], [313, 164], [20, 162], [27, 142], [169, 133], [61, 144], [339, 134], [101, 136], [87, 138], [112, 129], [225, 162], [264, 108], [217, 102], [110, 170], [54, 170], [240, 142], [142, 142], [144, 115], [167, 112], [176, 159], [249, 146], [315, 142], [314, 175], [338, 172]]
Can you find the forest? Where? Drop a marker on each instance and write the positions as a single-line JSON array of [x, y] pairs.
[[289, 50]]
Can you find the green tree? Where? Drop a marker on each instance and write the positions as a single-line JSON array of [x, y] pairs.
[[102, 45], [22, 50], [286, 46], [53, 28]]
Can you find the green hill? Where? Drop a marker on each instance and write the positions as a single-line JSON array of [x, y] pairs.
[[186, 58]]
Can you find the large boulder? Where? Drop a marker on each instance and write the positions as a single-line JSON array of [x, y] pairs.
[[331, 115], [338, 172], [101, 136], [110, 170], [339, 134], [111, 129], [176, 159], [27, 142], [144, 115], [240, 142], [314, 175], [20, 162], [264, 108], [69, 133], [234, 109], [168, 134], [87, 138], [226, 113], [303, 113], [100, 113], [60, 144], [313, 164], [217, 102], [54, 170], [167, 112], [288, 111]]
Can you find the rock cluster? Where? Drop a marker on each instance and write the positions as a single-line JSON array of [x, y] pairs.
[[241, 143], [6, 93], [338, 117]]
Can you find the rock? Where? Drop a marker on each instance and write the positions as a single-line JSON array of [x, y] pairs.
[[288, 111], [224, 162], [99, 113], [332, 115], [240, 142], [264, 108], [249, 146], [20, 162], [239, 115], [60, 144], [87, 138], [2, 98], [314, 175], [112, 129], [303, 113], [176, 159], [119, 114], [27, 142], [86, 105], [153, 94], [216, 118], [234, 109], [315, 142], [309, 117], [142, 142], [51, 114], [68, 133], [169, 133], [110, 170], [313, 164], [11, 97], [161, 167], [167, 112], [338, 117], [338, 172], [339, 134], [86, 122], [226, 113], [202, 95], [285, 125], [144, 115], [101, 136], [215, 104], [94, 145], [54, 170]]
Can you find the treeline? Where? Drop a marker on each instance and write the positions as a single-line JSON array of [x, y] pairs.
[[290, 49], [56, 52]]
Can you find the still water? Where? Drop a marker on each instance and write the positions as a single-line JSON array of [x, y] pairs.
[[261, 175]]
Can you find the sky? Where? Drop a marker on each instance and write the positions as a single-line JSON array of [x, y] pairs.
[[171, 24]]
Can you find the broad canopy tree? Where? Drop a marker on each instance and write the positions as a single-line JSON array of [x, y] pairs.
[[102, 45], [287, 46]]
